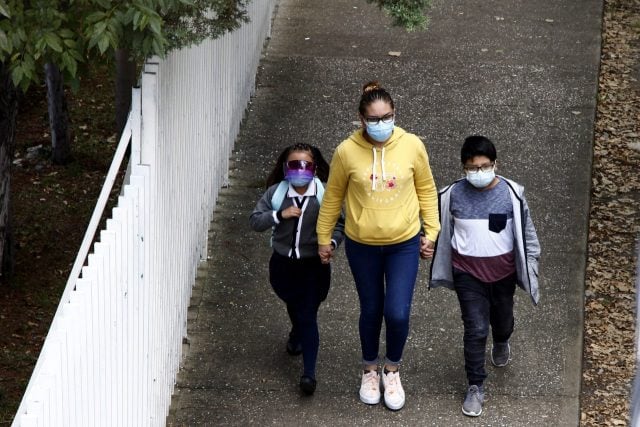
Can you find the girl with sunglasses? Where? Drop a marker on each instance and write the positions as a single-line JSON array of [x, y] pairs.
[[382, 174], [290, 207]]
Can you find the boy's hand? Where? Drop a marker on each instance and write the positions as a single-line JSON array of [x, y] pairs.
[[426, 248], [291, 212], [326, 253]]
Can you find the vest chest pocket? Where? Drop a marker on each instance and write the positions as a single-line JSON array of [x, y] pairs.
[[497, 222]]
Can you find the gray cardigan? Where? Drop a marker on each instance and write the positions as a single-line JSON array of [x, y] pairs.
[[526, 245], [262, 218]]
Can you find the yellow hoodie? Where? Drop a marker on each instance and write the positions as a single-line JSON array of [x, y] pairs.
[[386, 191]]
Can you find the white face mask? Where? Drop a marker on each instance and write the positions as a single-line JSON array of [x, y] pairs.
[[481, 179]]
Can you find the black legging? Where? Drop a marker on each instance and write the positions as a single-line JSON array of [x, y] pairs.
[[302, 284]]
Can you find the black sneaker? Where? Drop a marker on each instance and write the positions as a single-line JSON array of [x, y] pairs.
[[307, 385], [500, 354]]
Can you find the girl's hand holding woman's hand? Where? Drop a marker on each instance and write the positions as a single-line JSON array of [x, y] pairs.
[[426, 248], [326, 253]]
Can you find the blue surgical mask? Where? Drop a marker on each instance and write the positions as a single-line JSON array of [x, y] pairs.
[[381, 131], [481, 179]]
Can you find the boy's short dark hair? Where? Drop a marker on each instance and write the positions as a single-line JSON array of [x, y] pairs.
[[477, 145]]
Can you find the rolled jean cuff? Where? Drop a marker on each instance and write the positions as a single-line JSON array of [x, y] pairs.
[[388, 362], [370, 362]]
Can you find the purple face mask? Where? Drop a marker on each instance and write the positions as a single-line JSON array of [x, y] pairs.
[[299, 172], [298, 178]]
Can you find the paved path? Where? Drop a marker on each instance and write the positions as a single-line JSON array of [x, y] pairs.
[[523, 73]]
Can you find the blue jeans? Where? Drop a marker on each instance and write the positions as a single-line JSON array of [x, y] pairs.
[[302, 284], [385, 277], [483, 305]]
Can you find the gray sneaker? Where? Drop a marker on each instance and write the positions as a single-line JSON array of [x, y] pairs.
[[472, 405], [500, 354]]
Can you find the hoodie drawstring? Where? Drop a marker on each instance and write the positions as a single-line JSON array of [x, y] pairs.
[[373, 168], [384, 173]]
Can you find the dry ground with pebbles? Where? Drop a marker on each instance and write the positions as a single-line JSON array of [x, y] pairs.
[[610, 294]]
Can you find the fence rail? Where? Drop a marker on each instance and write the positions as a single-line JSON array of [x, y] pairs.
[[114, 346]]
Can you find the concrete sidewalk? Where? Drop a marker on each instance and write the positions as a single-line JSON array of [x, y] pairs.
[[523, 73]]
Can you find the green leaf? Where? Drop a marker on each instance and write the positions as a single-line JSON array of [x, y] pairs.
[[69, 63], [40, 45], [29, 68], [128, 16], [136, 18], [156, 26], [4, 9], [4, 42], [66, 33], [70, 43], [24, 85], [28, 63], [103, 43], [94, 17], [157, 50], [53, 41], [18, 36], [100, 27], [146, 46], [144, 20], [76, 55], [17, 75], [92, 43], [146, 10]]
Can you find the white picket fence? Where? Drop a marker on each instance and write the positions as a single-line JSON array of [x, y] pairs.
[[113, 350]]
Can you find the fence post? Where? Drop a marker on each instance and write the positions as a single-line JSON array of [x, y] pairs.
[[136, 122], [149, 104]]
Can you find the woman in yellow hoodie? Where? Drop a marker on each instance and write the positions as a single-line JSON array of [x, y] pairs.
[[382, 174]]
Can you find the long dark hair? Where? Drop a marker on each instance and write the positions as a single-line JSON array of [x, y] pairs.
[[322, 167]]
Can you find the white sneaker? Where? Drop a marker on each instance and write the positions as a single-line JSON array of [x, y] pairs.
[[370, 388], [393, 392]]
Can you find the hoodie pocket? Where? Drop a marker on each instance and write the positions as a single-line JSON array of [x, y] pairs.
[[382, 224]]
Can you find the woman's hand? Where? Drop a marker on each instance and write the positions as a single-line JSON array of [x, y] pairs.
[[326, 253], [426, 248]]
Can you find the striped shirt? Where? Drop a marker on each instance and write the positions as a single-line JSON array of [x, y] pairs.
[[482, 241]]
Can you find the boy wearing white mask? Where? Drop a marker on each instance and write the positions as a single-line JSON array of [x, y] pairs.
[[486, 247]]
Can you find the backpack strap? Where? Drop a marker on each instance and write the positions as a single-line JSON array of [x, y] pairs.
[[319, 189], [278, 195]]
